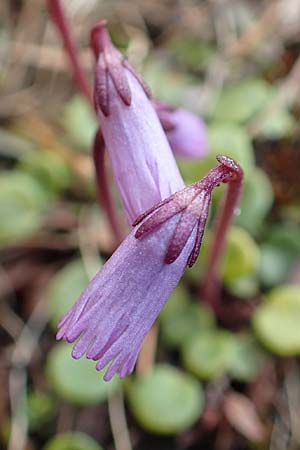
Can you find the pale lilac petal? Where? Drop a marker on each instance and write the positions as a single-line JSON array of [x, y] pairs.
[[117, 309], [143, 164]]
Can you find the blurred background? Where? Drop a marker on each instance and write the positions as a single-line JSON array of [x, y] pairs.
[[223, 384]]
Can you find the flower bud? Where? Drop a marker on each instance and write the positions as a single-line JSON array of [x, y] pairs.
[[144, 167], [185, 131]]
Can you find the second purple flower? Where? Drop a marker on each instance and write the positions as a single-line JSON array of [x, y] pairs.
[[143, 164], [115, 312]]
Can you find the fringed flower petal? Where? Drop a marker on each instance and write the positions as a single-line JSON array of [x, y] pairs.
[[115, 312], [117, 309]]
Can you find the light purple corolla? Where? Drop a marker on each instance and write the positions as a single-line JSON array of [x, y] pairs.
[[115, 312], [144, 167], [185, 131], [117, 309]]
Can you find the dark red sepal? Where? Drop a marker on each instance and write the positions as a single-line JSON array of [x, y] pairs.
[[111, 65]]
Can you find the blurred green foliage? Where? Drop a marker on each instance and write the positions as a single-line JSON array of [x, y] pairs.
[[183, 323], [48, 168], [276, 320], [191, 53], [23, 203], [278, 124], [80, 123], [215, 352], [208, 354], [275, 266], [238, 103], [41, 410], [72, 441], [65, 288], [241, 257], [166, 84], [256, 202]]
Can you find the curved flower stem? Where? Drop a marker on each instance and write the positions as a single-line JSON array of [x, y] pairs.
[[59, 19], [210, 292], [103, 193]]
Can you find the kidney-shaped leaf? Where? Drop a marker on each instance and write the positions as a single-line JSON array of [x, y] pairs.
[[166, 400]]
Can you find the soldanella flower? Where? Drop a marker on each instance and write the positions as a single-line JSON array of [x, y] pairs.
[[113, 315], [185, 131], [144, 167], [115, 312]]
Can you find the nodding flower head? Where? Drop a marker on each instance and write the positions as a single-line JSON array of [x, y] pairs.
[[110, 66], [142, 161], [192, 204], [185, 131], [115, 312]]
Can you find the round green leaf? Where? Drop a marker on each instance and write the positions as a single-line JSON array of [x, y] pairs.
[[40, 410], [240, 262], [247, 358], [72, 441], [257, 200], [208, 354], [166, 400], [64, 289], [285, 236], [244, 287], [241, 257], [275, 265], [276, 321], [77, 381]]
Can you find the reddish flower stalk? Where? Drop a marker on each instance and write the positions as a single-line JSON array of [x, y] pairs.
[[102, 186], [59, 19], [210, 291]]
